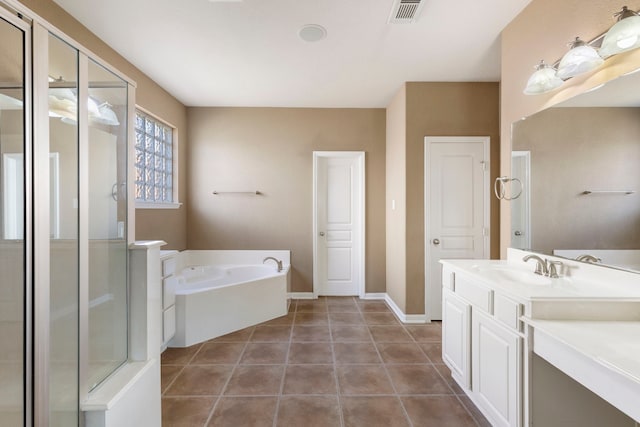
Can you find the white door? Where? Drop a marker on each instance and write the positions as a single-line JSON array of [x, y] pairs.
[[520, 208], [456, 208], [338, 267]]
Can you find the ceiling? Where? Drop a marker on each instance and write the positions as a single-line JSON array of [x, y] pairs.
[[248, 53]]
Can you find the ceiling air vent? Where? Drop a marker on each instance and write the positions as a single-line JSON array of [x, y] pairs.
[[405, 11]]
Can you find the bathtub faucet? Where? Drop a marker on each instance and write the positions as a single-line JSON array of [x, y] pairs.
[[276, 260]]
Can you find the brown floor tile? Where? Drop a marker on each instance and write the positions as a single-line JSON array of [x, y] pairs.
[[311, 333], [376, 411], [474, 411], [417, 379], [389, 334], [355, 352], [433, 350], [309, 411], [311, 306], [431, 332], [373, 306], [375, 318], [445, 372], [179, 355], [311, 319], [219, 352], [342, 305], [401, 352], [437, 411], [186, 411], [244, 411], [200, 380], [363, 379], [251, 380], [242, 335], [271, 333], [265, 353], [283, 320], [346, 319], [309, 379], [310, 352], [350, 333], [168, 374]]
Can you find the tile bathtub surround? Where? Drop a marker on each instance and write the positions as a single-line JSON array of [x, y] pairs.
[[334, 362]]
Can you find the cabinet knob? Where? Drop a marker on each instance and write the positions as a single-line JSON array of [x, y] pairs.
[[436, 241]]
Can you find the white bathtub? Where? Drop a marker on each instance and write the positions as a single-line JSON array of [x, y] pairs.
[[218, 292]]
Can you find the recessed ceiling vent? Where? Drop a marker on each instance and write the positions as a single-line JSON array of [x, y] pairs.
[[405, 11]]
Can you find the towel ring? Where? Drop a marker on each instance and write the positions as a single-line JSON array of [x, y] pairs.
[[500, 188]]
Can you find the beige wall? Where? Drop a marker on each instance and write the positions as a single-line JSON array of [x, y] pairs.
[[270, 150], [168, 225], [443, 109], [541, 31], [578, 149], [396, 187]]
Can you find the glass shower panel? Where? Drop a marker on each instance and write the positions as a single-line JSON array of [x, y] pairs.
[[64, 243], [12, 248], [107, 110]]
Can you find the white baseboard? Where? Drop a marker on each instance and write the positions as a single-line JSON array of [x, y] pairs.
[[301, 295], [379, 295], [404, 318]]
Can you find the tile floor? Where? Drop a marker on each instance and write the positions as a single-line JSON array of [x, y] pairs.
[[334, 361]]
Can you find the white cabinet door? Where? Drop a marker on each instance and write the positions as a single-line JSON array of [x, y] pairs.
[[496, 370], [456, 343]]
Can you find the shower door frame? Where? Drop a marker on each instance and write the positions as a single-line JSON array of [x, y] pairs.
[[8, 14]]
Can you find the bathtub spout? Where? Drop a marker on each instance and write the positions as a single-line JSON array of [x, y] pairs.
[[276, 260]]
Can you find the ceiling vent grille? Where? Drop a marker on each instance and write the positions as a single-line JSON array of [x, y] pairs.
[[405, 11]]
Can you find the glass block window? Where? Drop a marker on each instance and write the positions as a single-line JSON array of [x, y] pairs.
[[154, 160]]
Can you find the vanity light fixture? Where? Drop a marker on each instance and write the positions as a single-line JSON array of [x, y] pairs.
[[543, 80], [580, 59], [624, 35], [583, 57]]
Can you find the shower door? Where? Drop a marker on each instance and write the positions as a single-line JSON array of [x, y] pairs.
[[15, 249]]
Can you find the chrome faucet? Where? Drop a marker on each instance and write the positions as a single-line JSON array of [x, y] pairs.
[[588, 258], [544, 267], [541, 265], [274, 259]]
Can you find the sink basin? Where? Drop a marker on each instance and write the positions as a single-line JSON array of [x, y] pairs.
[[511, 274]]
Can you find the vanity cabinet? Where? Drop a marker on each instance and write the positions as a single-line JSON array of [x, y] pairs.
[[169, 281], [482, 344], [456, 337], [496, 366]]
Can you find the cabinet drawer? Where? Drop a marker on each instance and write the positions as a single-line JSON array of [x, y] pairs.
[[448, 278], [475, 293], [169, 323], [169, 291], [168, 266], [507, 311]]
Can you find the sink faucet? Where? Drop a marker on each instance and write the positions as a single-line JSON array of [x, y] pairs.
[[276, 260], [541, 264], [544, 267], [588, 258]]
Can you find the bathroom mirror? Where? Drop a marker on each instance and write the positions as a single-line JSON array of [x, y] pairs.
[[578, 162]]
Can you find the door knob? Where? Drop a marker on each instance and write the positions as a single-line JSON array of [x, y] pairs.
[[322, 234], [436, 241], [518, 233]]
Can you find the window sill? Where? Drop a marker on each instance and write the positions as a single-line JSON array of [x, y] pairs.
[[151, 205]]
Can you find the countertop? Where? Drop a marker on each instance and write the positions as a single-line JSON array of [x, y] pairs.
[[604, 356], [619, 286]]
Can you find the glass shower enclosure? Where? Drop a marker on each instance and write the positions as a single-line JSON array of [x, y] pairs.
[[64, 131]]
